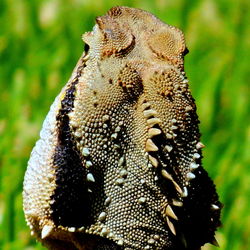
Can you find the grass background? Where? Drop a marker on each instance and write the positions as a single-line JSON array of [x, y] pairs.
[[40, 42]]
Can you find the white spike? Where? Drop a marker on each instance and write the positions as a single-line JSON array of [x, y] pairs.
[[177, 203], [168, 148], [123, 172], [114, 136], [185, 192], [152, 121], [104, 232], [151, 241], [107, 201], [142, 181], [46, 231], [90, 177], [149, 112], [166, 174], [190, 176], [200, 145], [89, 164], [81, 229], [154, 161], [215, 207], [120, 242], [105, 118], [85, 152], [150, 146], [121, 161], [102, 216], [30, 213], [171, 226], [72, 229], [173, 127], [196, 156], [169, 136], [145, 105], [188, 108], [169, 212], [117, 129], [153, 131], [119, 181], [117, 146], [142, 200], [193, 165], [110, 235], [156, 237]]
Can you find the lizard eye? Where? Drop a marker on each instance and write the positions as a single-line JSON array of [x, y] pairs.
[[186, 51], [86, 48]]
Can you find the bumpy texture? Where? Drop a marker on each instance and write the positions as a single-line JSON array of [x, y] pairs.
[[118, 164]]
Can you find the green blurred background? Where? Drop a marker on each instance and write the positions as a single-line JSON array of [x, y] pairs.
[[40, 43]]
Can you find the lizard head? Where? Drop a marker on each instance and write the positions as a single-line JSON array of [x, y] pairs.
[[126, 32]]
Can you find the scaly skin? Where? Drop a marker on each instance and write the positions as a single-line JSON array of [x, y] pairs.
[[118, 164]]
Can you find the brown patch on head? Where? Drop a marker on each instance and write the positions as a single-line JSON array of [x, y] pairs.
[[168, 43], [116, 39], [115, 11]]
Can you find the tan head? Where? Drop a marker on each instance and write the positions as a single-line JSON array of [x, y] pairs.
[[125, 29]]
